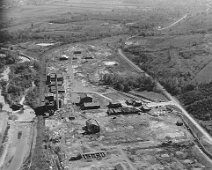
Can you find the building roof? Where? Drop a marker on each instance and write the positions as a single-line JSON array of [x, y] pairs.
[[114, 105], [59, 75], [122, 110], [91, 104], [60, 89], [77, 52]]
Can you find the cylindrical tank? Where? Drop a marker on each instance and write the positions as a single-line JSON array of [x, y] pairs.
[[92, 126]]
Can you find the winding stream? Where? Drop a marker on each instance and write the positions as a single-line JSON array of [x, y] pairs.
[[25, 119]]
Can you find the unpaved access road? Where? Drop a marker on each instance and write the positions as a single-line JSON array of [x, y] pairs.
[[173, 24]]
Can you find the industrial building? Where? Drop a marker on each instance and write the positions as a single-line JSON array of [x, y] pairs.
[[122, 110], [53, 83], [52, 77], [135, 103], [60, 89], [91, 105]]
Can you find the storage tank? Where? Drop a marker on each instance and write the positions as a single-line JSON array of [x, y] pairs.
[[92, 126]]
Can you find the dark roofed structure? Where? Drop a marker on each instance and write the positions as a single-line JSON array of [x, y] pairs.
[[122, 110], [91, 105], [60, 89], [114, 105]]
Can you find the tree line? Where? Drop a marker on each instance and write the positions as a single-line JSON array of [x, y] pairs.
[[127, 83]]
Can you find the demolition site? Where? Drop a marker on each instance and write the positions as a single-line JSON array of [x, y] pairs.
[[92, 126]]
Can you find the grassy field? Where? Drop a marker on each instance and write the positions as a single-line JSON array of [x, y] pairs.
[[184, 58], [69, 20]]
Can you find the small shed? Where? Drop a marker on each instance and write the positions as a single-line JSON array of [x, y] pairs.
[[60, 89], [137, 103], [49, 96], [59, 77], [64, 57], [114, 105], [77, 52], [145, 108], [129, 102], [53, 83]]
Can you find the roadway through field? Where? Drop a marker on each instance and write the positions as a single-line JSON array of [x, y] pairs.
[[173, 24]]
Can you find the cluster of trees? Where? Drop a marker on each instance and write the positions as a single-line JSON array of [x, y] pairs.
[[31, 97], [201, 109], [136, 55], [203, 92], [198, 103], [176, 87], [9, 59], [174, 82], [127, 83], [21, 78]]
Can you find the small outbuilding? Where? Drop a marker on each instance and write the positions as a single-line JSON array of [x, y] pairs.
[[114, 105], [64, 57], [145, 108], [77, 52], [59, 77], [60, 89]]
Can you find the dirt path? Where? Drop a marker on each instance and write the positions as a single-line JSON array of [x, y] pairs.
[[173, 24]]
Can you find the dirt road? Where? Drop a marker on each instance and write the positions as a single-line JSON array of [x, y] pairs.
[[173, 24]]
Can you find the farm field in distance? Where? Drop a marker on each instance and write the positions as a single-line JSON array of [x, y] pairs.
[[113, 85]]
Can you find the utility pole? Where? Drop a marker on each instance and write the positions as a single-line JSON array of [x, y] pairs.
[[57, 100]]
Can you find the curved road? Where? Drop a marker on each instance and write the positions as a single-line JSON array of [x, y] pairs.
[[173, 100]]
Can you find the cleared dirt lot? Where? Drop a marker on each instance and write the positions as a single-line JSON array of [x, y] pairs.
[[134, 141]]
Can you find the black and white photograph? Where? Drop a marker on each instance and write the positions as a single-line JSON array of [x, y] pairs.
[[105, 84]]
